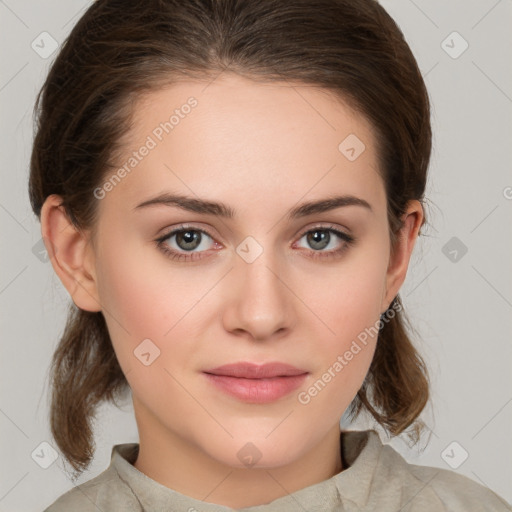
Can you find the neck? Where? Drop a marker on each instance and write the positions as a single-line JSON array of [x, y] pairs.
[[176, 463]]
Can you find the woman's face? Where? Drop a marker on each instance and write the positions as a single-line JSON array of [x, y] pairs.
[[268, 283]]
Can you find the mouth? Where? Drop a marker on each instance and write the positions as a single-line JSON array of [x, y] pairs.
[[252, 383]]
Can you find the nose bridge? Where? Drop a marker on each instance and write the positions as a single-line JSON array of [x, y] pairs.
[[262, 303]]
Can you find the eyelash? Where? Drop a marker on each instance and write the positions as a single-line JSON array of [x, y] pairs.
[[175, 255]]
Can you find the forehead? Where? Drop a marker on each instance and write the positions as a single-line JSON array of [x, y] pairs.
[[234, 134]]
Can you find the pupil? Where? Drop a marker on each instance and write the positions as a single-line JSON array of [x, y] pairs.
[[320, 239], [189, 238]]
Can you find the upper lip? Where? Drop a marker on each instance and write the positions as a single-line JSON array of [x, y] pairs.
[[254, 371]]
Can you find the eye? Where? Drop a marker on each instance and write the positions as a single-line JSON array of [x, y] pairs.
[[321, 237], [186, 239], [187, 243]]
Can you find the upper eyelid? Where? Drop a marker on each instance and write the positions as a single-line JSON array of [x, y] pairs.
[[177, 229]]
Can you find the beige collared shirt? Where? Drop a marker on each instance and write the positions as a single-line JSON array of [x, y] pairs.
[[377, 479]]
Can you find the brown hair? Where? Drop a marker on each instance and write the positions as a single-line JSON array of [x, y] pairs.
[[120, 49]]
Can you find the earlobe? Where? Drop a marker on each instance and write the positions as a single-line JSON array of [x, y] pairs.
[[400, 257], [70, 253]]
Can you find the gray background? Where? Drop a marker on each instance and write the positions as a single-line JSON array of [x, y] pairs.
[[460, 302]]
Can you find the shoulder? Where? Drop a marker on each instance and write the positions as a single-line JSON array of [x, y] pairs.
[[458, 492], [448, 490], [99, 493]]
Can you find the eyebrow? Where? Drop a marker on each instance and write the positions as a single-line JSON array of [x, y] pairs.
[[219, 209]]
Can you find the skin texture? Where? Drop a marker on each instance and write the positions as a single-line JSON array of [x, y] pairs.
[[263, 149]]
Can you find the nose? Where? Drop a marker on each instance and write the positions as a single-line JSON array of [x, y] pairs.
[[260, 304]]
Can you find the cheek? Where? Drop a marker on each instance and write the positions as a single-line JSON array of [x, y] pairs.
[[351, 310], [350, 307], [144, 297], [348, 298], [138, 302]]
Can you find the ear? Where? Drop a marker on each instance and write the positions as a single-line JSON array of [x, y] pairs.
[[71, 254], [401, 255]]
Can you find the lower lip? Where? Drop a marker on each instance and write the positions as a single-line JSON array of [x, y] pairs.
[[257, 391]]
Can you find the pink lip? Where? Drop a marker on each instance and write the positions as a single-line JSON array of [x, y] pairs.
[[257, 383]]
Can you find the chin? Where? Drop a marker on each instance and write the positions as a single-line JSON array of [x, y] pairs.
[[258, 453]]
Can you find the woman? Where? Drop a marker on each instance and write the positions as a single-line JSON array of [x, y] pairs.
[[231, 193]]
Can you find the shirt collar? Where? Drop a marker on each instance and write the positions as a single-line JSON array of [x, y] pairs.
[[361, 451]]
